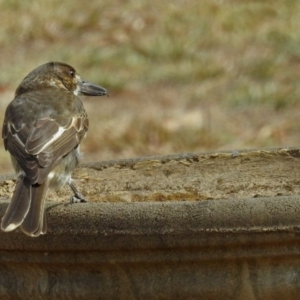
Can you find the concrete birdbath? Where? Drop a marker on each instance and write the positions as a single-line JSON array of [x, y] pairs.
[[193, 226]]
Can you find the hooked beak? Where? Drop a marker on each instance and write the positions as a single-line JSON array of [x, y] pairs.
[[90, 89]]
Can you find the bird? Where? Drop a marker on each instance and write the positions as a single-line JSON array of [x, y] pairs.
[[43, 127]]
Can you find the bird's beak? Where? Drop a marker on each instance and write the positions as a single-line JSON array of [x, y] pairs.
[[90, 89]]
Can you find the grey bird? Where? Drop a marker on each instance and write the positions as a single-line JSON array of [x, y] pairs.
[[42, 130]]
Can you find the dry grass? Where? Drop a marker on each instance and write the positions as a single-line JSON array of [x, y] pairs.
[[183, 76]]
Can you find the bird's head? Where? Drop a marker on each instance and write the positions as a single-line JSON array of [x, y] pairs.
[[58, 75]]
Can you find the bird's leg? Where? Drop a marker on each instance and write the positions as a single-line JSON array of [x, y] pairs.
[[78, 197]]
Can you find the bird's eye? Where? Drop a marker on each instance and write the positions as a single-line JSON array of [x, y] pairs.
[[71, 73]]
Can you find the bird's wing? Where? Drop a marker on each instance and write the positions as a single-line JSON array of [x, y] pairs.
[[40, 148]]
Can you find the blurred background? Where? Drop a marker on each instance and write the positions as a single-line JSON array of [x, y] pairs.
[[183, 76]]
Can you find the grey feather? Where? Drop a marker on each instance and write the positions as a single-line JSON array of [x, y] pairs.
[[19, 205]]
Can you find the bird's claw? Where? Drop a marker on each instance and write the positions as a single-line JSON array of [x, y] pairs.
[[78, 198]]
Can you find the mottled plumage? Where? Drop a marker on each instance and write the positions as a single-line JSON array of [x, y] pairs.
[[42, 130]]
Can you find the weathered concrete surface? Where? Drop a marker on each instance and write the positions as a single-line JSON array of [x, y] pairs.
[[191, 177], [225, 241]]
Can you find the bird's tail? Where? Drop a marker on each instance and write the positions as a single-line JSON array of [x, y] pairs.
[[26, 208], [18, 206]]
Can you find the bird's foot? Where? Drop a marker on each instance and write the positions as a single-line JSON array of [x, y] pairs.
[[77, 197]]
